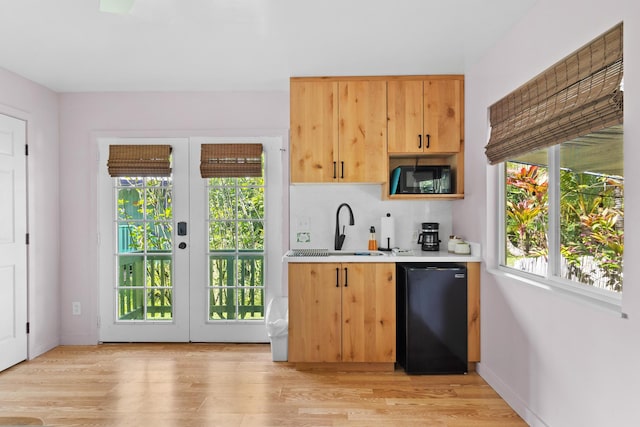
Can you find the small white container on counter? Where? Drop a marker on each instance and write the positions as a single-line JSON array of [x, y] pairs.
[[462, 248], [453, 241]]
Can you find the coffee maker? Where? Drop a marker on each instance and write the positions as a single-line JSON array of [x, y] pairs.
[[428, 237]]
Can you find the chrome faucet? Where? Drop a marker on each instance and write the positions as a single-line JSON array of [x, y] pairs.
[[339, 239]]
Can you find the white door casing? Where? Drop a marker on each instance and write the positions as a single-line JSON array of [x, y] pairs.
[[13, 249]]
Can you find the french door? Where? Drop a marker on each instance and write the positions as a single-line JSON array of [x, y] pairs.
[[183, 258], [13, 251]]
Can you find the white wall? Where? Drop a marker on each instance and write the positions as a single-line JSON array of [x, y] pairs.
[[84, 117], [559, 362], [37, 105]]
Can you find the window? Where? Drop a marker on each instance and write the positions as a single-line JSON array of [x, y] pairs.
[[582, 195], [527, 213], [560, 140]]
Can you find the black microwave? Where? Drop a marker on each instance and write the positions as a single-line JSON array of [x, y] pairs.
[[421, 180]]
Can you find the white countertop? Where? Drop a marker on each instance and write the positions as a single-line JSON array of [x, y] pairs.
[[414, 255]]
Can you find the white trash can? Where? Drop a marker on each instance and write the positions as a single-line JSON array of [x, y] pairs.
[[277, 320]]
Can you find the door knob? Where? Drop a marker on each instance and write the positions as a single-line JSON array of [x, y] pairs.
[[182, 245]]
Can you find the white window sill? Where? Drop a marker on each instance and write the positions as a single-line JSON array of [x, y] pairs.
[[611, 303]]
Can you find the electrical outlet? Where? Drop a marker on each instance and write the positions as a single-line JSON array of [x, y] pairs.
[[76, 309], [414, 236]]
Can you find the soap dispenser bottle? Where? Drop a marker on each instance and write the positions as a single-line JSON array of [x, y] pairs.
[[373, 244]]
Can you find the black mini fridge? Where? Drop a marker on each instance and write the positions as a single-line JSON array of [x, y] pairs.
[[432, 318]]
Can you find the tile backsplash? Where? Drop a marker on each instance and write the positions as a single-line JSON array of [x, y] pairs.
[[313, 216]]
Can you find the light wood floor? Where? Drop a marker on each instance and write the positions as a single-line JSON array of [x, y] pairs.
[[190, 385]]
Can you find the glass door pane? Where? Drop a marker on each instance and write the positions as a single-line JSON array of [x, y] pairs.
[[236, 248], [144, 229]]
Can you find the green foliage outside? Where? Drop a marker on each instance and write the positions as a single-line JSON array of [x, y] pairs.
[[236, 248], [145, 225], [591, 223], [527, 210]]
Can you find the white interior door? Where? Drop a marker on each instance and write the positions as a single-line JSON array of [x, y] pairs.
[[222, 264], [13, 250]]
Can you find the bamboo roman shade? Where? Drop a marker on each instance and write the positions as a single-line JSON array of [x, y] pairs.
[[231, 160], [579, 95], [139, 160]]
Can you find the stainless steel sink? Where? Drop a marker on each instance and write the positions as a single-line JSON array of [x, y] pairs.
[[325, 252], [357, 253]]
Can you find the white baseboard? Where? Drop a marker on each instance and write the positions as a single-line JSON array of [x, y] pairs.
[[78, 339], [509, 396]]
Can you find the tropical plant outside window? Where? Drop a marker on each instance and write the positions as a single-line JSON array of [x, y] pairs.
[[589, 210], [527, 212]]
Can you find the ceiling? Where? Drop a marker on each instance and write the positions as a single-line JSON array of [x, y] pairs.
[[211, 45]]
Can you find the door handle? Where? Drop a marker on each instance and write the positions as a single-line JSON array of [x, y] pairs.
[[182, 229], [182, 245]]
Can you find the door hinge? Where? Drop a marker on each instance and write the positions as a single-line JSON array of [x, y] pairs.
[[28, 328], [98, 322], [27, 238], [26, 149]]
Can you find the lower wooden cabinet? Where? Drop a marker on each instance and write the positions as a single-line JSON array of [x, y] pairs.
[[342, 312], [346, 312]]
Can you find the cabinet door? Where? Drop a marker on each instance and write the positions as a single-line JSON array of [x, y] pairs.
[[404, 108], [314, 312], [362, 132], [443, 109], [314, 130], [369, 312]]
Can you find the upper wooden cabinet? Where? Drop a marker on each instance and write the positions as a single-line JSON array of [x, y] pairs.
[[338, 130], [425, 116], [314, 130]]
